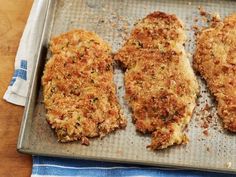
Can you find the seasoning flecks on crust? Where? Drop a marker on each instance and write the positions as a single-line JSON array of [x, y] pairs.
[[78, 88], [160, 84], [215, 60]]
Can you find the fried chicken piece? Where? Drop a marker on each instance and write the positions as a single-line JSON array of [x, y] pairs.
[[215, 60], [78, 88], [161, 87]]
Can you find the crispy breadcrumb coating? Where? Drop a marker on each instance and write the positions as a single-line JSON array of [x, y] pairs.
[[78, 88], [215, 60], [160, 84]]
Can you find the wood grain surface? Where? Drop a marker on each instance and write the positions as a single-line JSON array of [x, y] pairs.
[[13, 16]]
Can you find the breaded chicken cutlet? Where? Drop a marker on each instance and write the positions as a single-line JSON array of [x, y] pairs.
[[78, 88], [215, 60], [161, 88]]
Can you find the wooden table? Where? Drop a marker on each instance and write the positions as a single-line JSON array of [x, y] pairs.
[[13, 16]]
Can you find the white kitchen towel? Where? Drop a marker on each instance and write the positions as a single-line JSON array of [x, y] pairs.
[[25, 58]]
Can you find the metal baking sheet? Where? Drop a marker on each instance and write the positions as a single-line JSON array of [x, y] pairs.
[[209, 149]]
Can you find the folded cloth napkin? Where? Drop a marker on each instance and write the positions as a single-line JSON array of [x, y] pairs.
[[25, 58], [52, 167]]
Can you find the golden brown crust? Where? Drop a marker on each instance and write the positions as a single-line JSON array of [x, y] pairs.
[[78, 88], [160, 85], [215, 59]]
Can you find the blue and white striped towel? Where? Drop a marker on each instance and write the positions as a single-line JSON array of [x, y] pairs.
[[57, 167], [24, 62]]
